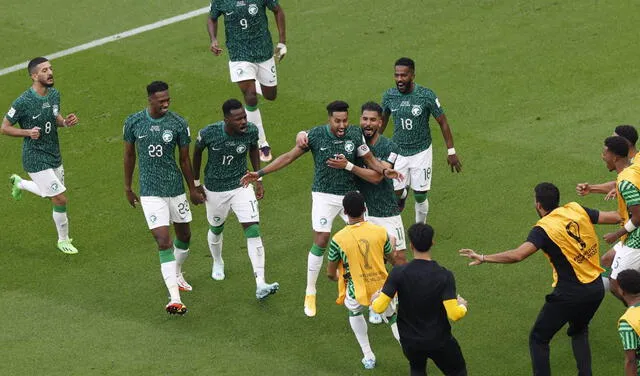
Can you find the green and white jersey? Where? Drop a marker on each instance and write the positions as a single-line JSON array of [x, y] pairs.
[[336, 253], [631, 195], [32, 110], [227, 155], [380, 198], [157, 141], [324, 145], [630, 340], [410, 114], [246, 28]]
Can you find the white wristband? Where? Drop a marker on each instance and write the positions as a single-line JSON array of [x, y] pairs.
[[451, 151], [349, 166], [64, 122], [196, 183], [629, 226], [259, 179]]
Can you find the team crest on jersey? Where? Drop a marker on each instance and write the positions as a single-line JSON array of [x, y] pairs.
[[253, 9], [416, 110], [241, 149], [167, 136], [55, 110], [349, 146]]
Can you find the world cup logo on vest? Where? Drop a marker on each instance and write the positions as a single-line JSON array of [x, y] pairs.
[[573, 229]]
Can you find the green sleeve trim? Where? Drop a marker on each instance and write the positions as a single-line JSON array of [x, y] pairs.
[[217, 229], [166, 255], [180, 244], [252, 231], [60, 209], [317, 250]]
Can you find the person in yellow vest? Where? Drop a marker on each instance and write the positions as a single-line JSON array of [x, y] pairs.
[[630, 134], [359, 250], [568, 238], [629, 323], [627, 255]]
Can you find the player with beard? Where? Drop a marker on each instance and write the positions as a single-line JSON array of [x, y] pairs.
[[37, 111], [411, 105]]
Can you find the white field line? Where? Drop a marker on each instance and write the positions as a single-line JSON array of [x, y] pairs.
[[111, 38]]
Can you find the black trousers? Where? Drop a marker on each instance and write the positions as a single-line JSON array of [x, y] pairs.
[[447, 357], [558, 310]]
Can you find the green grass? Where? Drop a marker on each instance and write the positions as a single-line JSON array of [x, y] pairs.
[[530, 88]]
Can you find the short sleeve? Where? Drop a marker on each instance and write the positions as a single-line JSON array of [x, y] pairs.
[[214, 12], [449, 291], [271, 4], [434, 105], [311, 138], [628, 336], [334, 251], [363, 149], [385, 103], [629, 193], [127, 131], [593, 214], [393, 281], [254, 137], [200, 140], [538, 237], [387, 246], [393, 153], [15, 112], [184, 134]]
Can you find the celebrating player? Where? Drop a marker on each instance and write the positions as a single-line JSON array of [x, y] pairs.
[[356, 260], [629, 323], [326, 142], [157, 133], [251, 53], [227, 143], [411, 105], [568, 238], [37, 111]]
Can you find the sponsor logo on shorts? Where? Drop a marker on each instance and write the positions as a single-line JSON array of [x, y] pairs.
[[167, 136], [416, 110], [241, 149], [253, 9], [349, 146]]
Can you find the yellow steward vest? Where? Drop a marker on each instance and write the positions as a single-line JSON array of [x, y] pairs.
[[571, 229], [632, 317]]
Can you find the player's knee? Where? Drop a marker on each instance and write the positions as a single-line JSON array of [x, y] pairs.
[[59, 200], [251, 99], [321, 239], [270, 93], [420, 197], [252, 231], [217, 230]]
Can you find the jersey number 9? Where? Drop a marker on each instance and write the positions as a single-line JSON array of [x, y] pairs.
[[244, 24]]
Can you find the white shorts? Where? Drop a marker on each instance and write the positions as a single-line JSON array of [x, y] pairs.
[[162, 211], [355, 307], [50, 182], [264, 73], [241, 200], [324, 209], [394, 228], [416, 170], [625, 258]]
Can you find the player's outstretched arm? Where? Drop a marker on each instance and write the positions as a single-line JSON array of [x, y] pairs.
[[525, 250], [583, 189], [281, 48], [609, 218], [129, 165], [281, 162], [629, 226], [380, 167], [452, 157], [187, 172]]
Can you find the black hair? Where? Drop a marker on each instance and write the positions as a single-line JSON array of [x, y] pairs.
[[230, 104], [371, 106], [34, 63], [628, 132], [156, 86], [617, 145], [337, 106], [629, 281], [353, 203], [406, 62], [548, 195], [421, 236]]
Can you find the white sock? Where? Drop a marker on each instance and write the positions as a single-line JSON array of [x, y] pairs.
[[359, 327], [168, 270], [422, 209], [314, 264], [256, 255], [28, 185], [62, 225], [256, 118], [607, 283], [180, 255], [215, 246], [394, 330]]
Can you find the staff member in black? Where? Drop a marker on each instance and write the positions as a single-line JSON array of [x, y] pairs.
[[567, 237], [426, 297]]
